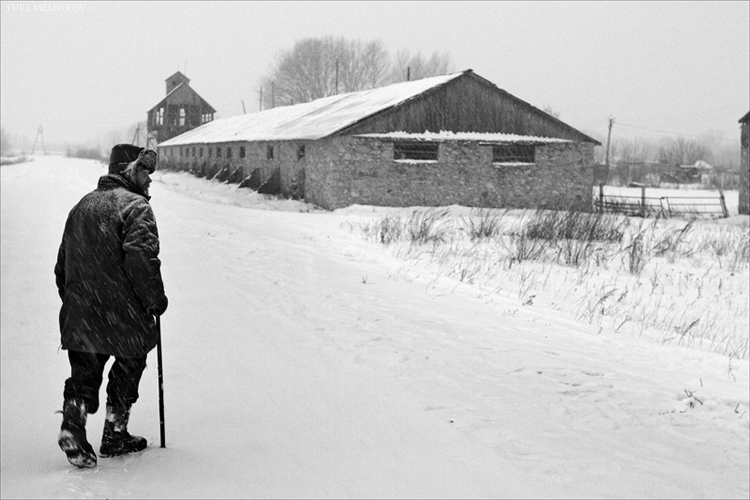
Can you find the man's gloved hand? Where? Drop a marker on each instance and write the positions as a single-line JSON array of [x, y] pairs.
[[161, 307]]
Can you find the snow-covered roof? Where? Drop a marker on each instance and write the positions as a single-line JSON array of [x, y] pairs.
[[466, 136], [308, 121], [168, 94], [700, 165], [178, 86]]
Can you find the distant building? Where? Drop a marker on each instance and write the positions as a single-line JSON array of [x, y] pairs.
[[179, 111], [744, 205], [451, 139]]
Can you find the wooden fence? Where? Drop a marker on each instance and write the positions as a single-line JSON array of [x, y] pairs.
[[662, 206]]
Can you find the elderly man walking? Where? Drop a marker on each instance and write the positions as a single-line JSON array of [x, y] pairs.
[[108, 276]]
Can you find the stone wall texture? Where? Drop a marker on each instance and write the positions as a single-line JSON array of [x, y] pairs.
[[744, 204], [285, 162], [343, 171]]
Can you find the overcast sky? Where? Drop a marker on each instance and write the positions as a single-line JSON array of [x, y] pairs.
[[671, 68]]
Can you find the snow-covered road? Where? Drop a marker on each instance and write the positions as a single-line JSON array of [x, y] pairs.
[[303, 361]]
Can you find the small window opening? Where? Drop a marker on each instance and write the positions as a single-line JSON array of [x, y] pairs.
[[229, 152], [200, 152], [242, 151], [415, 151], [210, 152], [300, 152], [269, 152], [218, 152], [513, 153], [182, 117]]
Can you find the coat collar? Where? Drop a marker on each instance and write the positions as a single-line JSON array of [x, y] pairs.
[[112, 181]]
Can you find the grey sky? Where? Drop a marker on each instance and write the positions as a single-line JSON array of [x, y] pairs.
[[659, 68]]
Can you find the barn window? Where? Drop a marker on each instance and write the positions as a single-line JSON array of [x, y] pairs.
[[210, 152], [513, 153], [182, 117], [415, 150], [218, 152], [300, 152], [200, 152], [242, 151], [229, 152], [269, 152]]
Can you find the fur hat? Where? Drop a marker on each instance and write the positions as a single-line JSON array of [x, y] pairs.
[[121, 156], [147, 159]]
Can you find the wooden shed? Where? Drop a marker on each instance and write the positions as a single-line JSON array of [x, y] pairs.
[[451, 139], [179, 111]]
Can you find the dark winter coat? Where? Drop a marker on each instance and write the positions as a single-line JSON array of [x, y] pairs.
[[108, 272]]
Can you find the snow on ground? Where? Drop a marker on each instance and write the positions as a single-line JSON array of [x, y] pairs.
[[302, 361]]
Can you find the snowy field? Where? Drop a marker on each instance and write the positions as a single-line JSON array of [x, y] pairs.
[[303, 360]]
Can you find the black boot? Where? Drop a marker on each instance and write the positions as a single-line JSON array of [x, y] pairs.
[[116, 440], [72, 439]]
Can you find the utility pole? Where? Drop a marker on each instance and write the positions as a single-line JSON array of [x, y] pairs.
[[408, 74], [39, 133], [243, 107], [606, 167], [136, 136], [273, 91], [260, 105], [609, 135], [337, 76]]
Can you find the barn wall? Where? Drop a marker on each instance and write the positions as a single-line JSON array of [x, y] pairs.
[[285, 170], [744, 204], [467, 105], [354, 170]]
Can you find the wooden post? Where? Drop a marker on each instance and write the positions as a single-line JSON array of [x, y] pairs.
[[601, 197], [643, 201], [723, 203]]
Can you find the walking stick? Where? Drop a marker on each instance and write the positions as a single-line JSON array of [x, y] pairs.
[[161, 382]]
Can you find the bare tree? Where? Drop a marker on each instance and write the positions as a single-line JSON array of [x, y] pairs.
[[320, 67], [683, 152], [416, 66], [633, 151], [551, 111]]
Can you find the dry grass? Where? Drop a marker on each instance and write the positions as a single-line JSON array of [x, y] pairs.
[[678, 282]]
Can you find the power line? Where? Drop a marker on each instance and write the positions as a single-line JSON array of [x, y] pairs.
[[674, 134]]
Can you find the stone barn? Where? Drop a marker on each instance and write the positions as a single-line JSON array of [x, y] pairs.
[[744, 204], [445, 140]]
